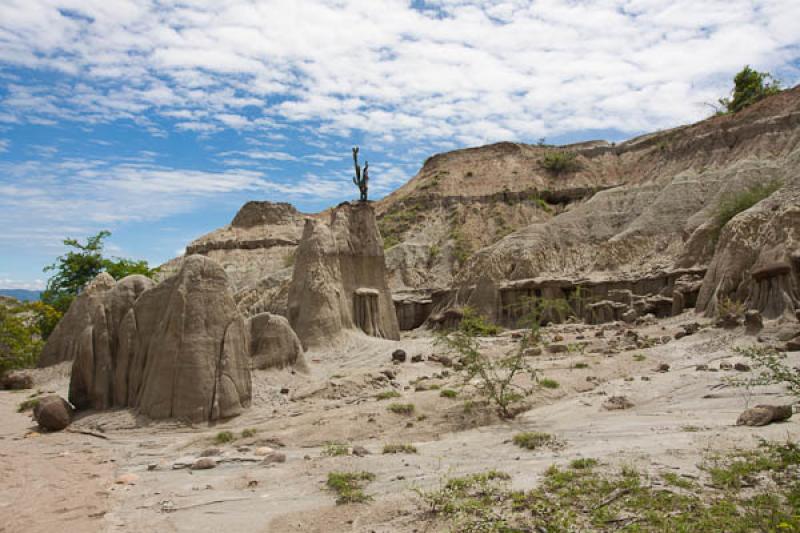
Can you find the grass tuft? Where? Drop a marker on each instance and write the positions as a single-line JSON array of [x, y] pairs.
[[401, 408], [399, 448], [349, 486]]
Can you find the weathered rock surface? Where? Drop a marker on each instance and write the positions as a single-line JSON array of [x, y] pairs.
[[339, 282], [179, 349], [274, 344], [16, 380], [52, 413]]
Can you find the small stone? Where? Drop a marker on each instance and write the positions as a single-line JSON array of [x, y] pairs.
[[285, 390], [274, 457], [630, 316], [152, 466], [645, 378], [533, 351], [360, 451], [517, 334], [210, 452], [725, 366], [793, 345], [558, 338], [441, 359], [701, 368], [761, 415], [16, 380], [557, 348], [742, 367], [416, 358], [204, 463], [127, 479], [663, 367], [399, 356], [391, 374], [264, 450], [616, 403]]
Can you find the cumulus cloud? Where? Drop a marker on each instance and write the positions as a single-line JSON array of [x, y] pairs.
[[463, 71]]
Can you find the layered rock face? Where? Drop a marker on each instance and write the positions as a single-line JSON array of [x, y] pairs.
[[339, 282], [179, 350]]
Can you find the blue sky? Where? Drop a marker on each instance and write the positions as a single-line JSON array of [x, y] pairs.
[[156, 120]]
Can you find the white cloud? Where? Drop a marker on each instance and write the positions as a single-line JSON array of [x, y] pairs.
[[4, 143], [35, 285], [458, 70]]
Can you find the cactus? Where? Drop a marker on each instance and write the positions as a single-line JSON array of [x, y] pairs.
[[360, 180]]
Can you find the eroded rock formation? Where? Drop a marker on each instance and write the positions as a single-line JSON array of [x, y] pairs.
[[274, 344], [336, 261]]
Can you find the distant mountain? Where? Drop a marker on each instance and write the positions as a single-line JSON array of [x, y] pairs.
[[22, 295]]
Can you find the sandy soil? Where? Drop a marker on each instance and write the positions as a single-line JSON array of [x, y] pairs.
[[71, 482]]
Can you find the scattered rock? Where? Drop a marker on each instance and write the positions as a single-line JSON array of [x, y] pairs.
[[742, 367], [360, 451], [204, 463], [793, 345], [557, 348], [630, 316], [391, 374], [517, 334], [416, 358], [211, 452], [399, 356], [727, 321], [615, 403], [725, 366], [441, 359], [274, 457], [558, 338], [264, 450], [753, 322], [761, 415], [688, 329], [16, 380], [52, 413], [533, 351], [284, 390], [663, 367], [701, 368], [127, 479]]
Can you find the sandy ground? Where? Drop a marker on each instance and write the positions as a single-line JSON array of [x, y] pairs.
[[70, 482]]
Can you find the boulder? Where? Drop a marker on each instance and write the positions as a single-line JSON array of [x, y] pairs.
[[615, 403], [793, 345], [16, 380], [274, 344], [52, 413], [761, 415], [339, 283], [204, 463], [753, 322]]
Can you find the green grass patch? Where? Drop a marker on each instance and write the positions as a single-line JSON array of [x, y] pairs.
[[560, 161], [639, 357], [399, 448], [349, 486], [224, 437], [739, 202], [249, 432], [533, 440], [401, 408], [448, 393], [580, 365], [387, 394], [27, 405], [335, 449], [548, 383]]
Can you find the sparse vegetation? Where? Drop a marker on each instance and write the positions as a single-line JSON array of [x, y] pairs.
[[533, 440], [739, 202], [730, 307], [20, 338], [249, 432], [473, 323], [560, 161], [639, 357], [387, 394], [580, 365], [224, 437], [335, 449], [448, 393], [461, 247], [27, 405], [399, 448], [548, 383], [749, 86], [349, 486], [584, 498], [401, 408], [772, 369], [288, 261]]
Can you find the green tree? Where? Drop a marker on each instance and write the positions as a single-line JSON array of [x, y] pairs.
[[73, 270], [749, 86], [20, 341]]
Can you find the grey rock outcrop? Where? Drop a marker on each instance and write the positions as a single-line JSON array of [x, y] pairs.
[[339, 270], [274, 344]]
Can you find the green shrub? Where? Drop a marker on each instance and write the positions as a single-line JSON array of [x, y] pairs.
[[20, 342], [548, 383], [27, 405], [349, 486], [249, 432], [580, 365], [474, 324], [448, 393], [401, 408], [739, 202], [532, 440], [749, 86], [387, 394], [399, 448], [560, 161], [224, 437], [583, 463], [335, 449]]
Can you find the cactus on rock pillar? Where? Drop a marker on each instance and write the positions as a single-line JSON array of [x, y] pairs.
[[361, 180]]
